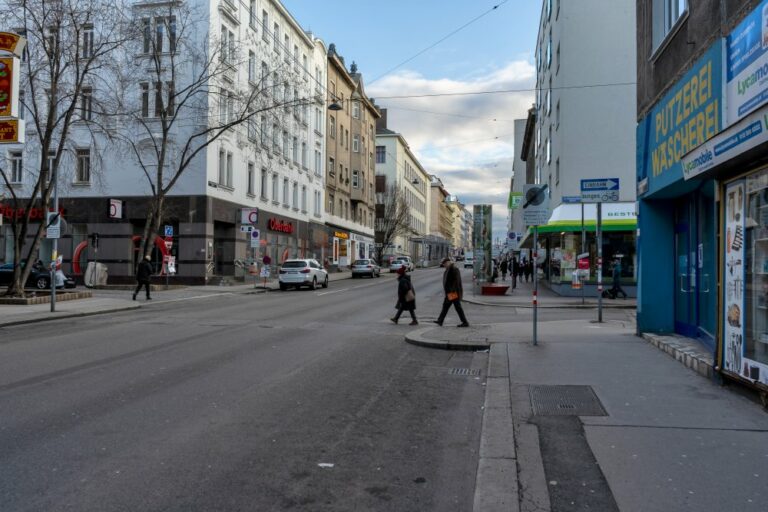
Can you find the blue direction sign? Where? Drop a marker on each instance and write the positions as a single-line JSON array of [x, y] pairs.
[[602, 190]]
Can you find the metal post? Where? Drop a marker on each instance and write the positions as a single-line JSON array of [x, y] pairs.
[[535, 280], [599, 262], [583, 250], [55, 253]]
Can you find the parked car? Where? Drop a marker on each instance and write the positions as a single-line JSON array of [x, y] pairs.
[[367, 267], [300, 273], [469, 262], [39, 277], [402, 261]]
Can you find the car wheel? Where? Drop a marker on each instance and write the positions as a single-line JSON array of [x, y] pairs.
[[325, 283], [43, 283], [313, 286], [283, 287]]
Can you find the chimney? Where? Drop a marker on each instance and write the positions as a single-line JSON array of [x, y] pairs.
[[381, 123]]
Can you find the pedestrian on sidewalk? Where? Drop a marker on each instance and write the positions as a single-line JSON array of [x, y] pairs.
[[143, 274], [515, 271], [503, 268], [453, 293], [406, 297], [527, 269], [616, 289]]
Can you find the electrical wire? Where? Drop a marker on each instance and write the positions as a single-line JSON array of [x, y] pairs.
[[504, 91]]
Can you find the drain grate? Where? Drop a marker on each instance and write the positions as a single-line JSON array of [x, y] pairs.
[[464, 371], [565, 401]]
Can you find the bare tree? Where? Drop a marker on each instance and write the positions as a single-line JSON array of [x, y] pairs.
[[189, 97], [392, 218]]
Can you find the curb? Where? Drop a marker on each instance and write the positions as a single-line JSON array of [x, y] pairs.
[[68, 315], [417, 338], [684, 351]]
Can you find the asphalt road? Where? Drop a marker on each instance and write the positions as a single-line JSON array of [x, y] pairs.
[[292, 400]]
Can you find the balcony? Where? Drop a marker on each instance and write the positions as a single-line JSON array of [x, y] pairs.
[[358, 194]]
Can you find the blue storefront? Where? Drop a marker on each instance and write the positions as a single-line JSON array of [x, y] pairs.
[[677, 219]]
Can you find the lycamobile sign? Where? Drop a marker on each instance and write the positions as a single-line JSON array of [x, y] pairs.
[[746, 86], [733, 141]]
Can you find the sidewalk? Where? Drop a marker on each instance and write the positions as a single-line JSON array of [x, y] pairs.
[[670, 438], [114, 300], [522, 297]]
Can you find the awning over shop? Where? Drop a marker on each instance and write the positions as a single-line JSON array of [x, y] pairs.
[[567, 217]]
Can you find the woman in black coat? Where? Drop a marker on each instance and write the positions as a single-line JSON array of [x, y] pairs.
[[403, 304]]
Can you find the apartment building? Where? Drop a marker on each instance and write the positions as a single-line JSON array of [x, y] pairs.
[[350, 176], [273, 162]]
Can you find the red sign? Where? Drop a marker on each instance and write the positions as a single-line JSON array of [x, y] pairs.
[[281, 226], [9, 131], [13, 43], [35, 213], [6, 86], [583, 263]]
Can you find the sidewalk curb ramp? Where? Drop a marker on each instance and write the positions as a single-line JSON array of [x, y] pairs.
[[418, 337]]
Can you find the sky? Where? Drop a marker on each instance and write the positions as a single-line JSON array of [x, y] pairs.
[[467, 141]]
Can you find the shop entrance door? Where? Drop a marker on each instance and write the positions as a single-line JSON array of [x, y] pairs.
[[695, 266], [685, 268]]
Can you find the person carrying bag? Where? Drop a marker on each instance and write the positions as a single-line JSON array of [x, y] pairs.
[[406, 297]]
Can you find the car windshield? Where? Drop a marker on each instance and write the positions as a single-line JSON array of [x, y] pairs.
[[294, 264], [361, 262]]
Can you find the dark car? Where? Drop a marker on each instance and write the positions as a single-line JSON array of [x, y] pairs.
[[38, 278]]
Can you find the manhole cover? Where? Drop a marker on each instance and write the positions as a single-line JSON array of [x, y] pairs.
[[565, 401], [464, 371]]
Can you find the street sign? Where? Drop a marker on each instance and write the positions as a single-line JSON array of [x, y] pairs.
[[264, 272], [255, 238], [246, 229], [515, 200], [603, 190], [535, 205], [12, 131], [249, 216], [53, 229], [168, 230], [115, 209]]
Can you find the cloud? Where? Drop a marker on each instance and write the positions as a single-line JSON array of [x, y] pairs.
[[467, 141]]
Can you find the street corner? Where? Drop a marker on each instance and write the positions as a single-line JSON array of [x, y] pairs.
[[448, 338]]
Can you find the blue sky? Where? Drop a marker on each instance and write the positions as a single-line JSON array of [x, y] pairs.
[[465, 140]]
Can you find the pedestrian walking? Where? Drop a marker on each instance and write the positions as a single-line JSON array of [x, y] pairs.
[[406, 297], [616, 289], [503, 268], [528, 270], [453, 293], [515, 271], [143, 274]]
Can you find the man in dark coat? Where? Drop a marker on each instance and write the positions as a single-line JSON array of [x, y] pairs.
[[403, 304], [616, 273], [453, 293], [503, 268], [143, 274], [515, 270]]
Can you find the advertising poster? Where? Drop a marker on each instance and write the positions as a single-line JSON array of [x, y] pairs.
[[734, 288], [483, 243], [746, 86]]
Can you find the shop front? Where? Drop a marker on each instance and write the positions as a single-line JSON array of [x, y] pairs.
[[341, 250], [361, 246], [677, 218]]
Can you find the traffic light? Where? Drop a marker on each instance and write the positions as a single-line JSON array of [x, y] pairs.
[[95, 240]]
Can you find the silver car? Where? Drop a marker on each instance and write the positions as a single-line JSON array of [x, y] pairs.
[[402, 261], [300, 273], [367, 267]]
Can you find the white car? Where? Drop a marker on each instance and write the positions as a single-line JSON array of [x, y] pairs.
[[402, 261], [300, 273], [469, 262]]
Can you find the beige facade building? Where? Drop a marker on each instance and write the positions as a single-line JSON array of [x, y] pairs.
[[350, 165], [441, 217]]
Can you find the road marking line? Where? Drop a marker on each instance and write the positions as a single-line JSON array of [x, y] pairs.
[[334, 291]]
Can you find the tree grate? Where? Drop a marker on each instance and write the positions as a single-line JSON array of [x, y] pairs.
[[565, 401], [464, 371]]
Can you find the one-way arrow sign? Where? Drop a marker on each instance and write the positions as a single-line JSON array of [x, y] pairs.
[[601, 190]]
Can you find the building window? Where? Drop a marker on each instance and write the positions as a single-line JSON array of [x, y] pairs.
[[251, 178], [285, 191], [549, 51], [83, 166], [227, 45], [86, 104], [318, 163], [557, 115], [287, 46], [356, 143], [304, 155], [295, 150], [381, 154], [356, 109], [275, 194], [16, 163], [144, 99], [275, 139], [355, 179], [264, 75], [229, 170], [86, 48], [318, 202], [251, 67], [265, 25], [557, 59], [318, 121], [263, 125], [252, 16], [286, 148], [331, 204], [332, 126], [222, 167], [304, 198], [331, 166], [263, 183], [548, 150], [276, 36], [295, 196], [252, 129], [666, 15], [557, 171]]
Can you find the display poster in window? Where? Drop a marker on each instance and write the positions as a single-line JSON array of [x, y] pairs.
[[746, 57], [734, 288]]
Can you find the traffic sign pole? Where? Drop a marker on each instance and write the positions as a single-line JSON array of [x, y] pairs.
[[583, 249], [535, 281], [599, 263]]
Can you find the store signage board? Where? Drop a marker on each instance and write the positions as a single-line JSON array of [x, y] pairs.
[[602, 190], [11, 131], [249, 216], [571, 199], [9, 86], [515, 200], [746, 134], [535, 205], [12, 43], [746, 87]]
